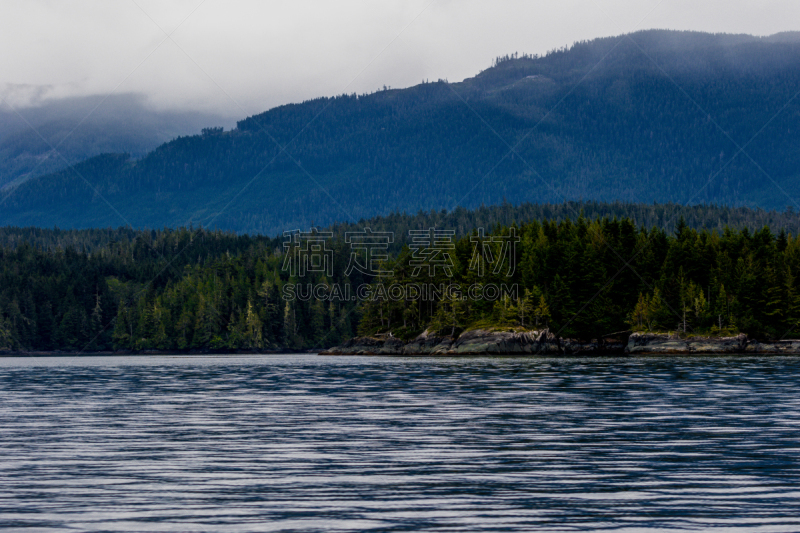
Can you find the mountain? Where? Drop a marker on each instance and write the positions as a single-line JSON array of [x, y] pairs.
[[651, 116], [84, 127]]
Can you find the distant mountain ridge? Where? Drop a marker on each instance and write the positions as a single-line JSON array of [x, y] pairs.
[[85, 127], [654, 116]]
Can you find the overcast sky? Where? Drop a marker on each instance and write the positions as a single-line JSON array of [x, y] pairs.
[[240, 57]]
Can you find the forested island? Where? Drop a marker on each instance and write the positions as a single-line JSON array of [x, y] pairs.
[[579, 276]]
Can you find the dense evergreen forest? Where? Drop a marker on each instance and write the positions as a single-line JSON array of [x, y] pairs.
[[463, 221], [582, 275], [654, 116]]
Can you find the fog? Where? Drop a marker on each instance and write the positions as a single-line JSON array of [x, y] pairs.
[[80, 127], [240, 57]]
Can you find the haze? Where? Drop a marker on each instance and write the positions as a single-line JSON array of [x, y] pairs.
[[236, 58]]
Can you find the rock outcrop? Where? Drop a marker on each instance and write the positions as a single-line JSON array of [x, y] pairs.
[[544, 342], [774, 347], [662, 343], [477, 342]]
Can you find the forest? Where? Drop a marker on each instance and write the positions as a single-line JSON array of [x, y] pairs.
[[583, 276], [654, 116]]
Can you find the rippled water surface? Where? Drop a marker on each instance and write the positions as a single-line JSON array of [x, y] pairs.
[[309, 443]]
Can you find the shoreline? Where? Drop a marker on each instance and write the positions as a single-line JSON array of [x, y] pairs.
[[122, 353], [543, 342], [481, 342]]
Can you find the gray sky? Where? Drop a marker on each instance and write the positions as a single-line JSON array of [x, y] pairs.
[[239, 57]]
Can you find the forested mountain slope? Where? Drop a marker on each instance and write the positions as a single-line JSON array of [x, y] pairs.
[[654, 116], [40, 139]]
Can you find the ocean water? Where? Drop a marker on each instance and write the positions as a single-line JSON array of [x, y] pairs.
[[313, 443]]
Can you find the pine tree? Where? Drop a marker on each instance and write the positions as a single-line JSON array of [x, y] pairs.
[[527, 308], [542, 313], [96, 326], [254, 336], [6, 338], [290, 326]]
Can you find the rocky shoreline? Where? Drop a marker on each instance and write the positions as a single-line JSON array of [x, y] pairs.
[[479, 342], [544, 342], [499, 342]]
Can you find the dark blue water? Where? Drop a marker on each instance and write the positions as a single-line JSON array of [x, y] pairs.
[[308, 443]]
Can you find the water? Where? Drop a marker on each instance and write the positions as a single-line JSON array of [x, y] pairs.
[[309, 443]]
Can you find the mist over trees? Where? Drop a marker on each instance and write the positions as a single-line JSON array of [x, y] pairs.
[[84, 127], [660, 116]]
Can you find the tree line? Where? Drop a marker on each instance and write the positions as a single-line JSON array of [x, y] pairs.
[[582, 277]]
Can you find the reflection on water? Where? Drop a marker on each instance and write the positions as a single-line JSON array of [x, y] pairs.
[[287, 443]]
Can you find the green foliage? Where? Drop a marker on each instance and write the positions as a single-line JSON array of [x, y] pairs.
[[199, 290], [165, 290], [601, 277]]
